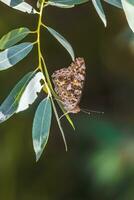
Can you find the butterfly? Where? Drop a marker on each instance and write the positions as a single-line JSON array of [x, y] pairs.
[[68, 84]]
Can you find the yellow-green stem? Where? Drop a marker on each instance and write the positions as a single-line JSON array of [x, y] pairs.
[[40, 57], [38, 33], [43, 68], [47, 75]]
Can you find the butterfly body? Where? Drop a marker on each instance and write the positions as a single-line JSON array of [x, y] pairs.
[[68, 84]]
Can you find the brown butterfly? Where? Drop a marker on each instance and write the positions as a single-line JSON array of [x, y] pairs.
[[68, 83]]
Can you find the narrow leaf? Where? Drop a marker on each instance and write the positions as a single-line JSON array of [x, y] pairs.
[[60, 5], [100, 11], [69, 2], [10, 105], [13, 37], [13, 103], [20, 5], [41, 126], [128, 7], [13, 55], [62, 41], [31, 92], [116, 3]]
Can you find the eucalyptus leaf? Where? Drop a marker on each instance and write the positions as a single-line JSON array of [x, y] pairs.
[[100, 11], [20, 5], [41, 126], [13, 55], [10, 105], [116, 3], [128, 7], [60, 5], [69, 2], [31, 92], [20, 97], [62, 41], [13, 37]]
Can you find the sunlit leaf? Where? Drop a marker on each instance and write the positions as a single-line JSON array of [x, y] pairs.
[[69, 2], [116, 3], [20, 5], [128, 7], [62, 41], [31, 92], [60, 5], [13, 55], [100, 11], [10, 105], [41, 126], [20, 97], [13, 37]]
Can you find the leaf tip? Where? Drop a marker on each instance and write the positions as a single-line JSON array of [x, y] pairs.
[[38, 155], [105, 23], [2, 117]]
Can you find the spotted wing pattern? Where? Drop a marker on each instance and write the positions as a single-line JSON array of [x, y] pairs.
[[68, 84]]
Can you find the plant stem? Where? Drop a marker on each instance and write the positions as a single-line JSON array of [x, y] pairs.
[[38, 33], [40, 56], [43, 68], [59, 124], [43, 25], [47, 75]]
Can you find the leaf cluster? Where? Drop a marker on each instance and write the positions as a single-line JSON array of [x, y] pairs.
[[26, 91]]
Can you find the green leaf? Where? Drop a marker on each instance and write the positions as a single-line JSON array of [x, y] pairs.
[[10, 105], [100, 11], [116, 3], [62, 41], [21, 96], [128, 7], [41, 126], [13, 37], [31, 92], [20, 5], [66, 2], [13, 55], [69, 2], [60, 5]]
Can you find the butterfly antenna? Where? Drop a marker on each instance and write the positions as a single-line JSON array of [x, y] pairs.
[[91, 111]]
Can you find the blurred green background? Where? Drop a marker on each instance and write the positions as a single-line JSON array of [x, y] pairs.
[[100, 161]]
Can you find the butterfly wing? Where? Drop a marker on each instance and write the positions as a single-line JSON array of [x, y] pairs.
[[68, 83]]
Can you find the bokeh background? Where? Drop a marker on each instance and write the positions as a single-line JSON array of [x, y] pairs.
[[100, 161]]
